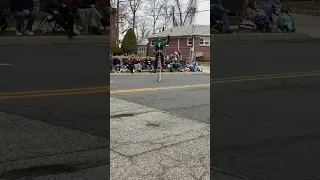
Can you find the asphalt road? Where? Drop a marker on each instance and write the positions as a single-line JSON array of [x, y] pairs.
[[180, 95], [37, 68], [262, 127]]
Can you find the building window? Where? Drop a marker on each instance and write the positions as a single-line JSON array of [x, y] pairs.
[[204, 42], [143, 51], [189, 41]]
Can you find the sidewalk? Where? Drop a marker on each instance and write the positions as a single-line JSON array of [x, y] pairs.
[[149, 144], [155, 74], [39, 150], [308, 24], [206, 69], [55, 40]]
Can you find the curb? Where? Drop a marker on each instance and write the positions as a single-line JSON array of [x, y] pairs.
[[54, 40], [154, 74], [305, 11], [259, 37]]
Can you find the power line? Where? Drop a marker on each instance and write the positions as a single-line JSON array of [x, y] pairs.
[[170, 5], [169, 14], [174, 5]]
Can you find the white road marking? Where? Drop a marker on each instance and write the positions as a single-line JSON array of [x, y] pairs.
[[111, 81], [5, 64]]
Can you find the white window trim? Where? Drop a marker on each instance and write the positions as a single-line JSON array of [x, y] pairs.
[[204, 41], [188, 39]]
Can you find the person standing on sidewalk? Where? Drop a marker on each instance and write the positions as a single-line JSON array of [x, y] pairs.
[[23, 9]]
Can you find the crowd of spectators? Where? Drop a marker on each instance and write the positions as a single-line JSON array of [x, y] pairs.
[[91, 14], [134, 64], [257, 15]]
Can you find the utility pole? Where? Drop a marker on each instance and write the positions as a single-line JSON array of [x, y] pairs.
[[118, 21]]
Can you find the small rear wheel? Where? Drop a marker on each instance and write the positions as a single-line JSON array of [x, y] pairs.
[[159, 68]]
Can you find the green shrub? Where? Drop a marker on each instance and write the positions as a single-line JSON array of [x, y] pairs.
[[116, 50], [129, 43]]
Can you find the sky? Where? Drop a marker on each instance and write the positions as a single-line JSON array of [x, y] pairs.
[[202, 18]]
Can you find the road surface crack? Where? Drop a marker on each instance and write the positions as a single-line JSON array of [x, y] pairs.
[[222, 113]]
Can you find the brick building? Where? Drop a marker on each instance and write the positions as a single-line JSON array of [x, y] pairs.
[[113, 26], [194, 39]]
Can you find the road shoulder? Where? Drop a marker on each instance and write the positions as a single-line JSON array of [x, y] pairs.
[[54, 40], [155, 74]]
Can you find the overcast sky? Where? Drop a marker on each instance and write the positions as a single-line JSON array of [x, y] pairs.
[[202, 18]]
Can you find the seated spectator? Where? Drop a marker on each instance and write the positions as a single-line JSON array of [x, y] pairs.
[[60, 12], [3, 21], [220, 14], [103, 7], [21, 10], [257, 15], [89, 15], [177, 65], [176, 61], [149, 64], [137, 65], [116, 64], [131, 64], [267, 6], [281, 19]]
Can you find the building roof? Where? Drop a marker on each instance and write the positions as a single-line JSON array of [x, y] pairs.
[[197, 30], [142, 42]]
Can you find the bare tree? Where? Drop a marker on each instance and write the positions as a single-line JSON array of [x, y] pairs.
[[134, 6], [143, 27], [154, 9], [166, 14], [125, 20], [184, 16]]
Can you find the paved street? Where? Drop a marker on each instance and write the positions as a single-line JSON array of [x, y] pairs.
[[178, 98], [266, 127], [59, 95], [160, 130]]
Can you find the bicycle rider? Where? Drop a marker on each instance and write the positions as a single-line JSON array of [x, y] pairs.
[[158, 46]]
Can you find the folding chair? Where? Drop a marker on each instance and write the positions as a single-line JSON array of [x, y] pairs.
[[216, 24], [46, 19]]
